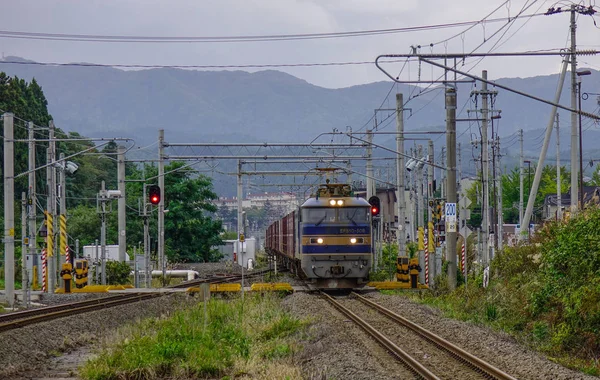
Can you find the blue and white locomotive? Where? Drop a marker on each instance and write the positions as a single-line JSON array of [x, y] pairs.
[[327, 241]]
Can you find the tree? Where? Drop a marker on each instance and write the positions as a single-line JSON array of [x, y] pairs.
[[190, 231]]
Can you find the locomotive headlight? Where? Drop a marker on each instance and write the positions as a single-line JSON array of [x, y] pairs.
[[332, 202], [357, 240], [320, 240], [340, 202], [353, 240]]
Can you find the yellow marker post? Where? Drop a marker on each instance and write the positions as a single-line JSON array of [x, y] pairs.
[[50, 236], [63, 235]]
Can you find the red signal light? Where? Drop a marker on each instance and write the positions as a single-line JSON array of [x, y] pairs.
[[374, 211], [154, 194]]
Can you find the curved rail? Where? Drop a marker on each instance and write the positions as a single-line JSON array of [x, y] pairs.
[[413, 365], [104, 303], [49, 309], [453, 350]]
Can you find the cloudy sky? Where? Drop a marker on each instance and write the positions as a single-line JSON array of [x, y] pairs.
[[222, 18]]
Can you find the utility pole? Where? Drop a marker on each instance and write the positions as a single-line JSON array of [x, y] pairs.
[[369, 164], [24, 277], [538, 169], [443, 174], [451, 167], [9, 210], [51, 206], [148, 276], [32, 199], [62, 211], [558, 180], [574, 142], [499, 203], [521, 175], [240, 222], [401, 237], [161, 204], [121, 203], [485, 172], [103, 199]]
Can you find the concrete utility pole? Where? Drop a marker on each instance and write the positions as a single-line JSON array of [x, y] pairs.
[[430, 189], [161, 204], [419, 186], [369, 164], [401, 237], [485, 171], [574, 142], [443, 174], [103, 199], [51, 206], [24, 277], [9, 210], [499, 203], [62, 212], [558, 181], [539, 167], [121, 203], [240, 222], [521, 175], [451, 167], [32, 197], [148, 270]]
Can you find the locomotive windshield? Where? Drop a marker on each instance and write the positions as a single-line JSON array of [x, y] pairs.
[[352, 215]]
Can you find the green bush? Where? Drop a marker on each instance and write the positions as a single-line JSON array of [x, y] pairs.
[[117, 273]]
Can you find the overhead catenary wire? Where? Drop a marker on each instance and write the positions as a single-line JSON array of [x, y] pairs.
[[229, 39]]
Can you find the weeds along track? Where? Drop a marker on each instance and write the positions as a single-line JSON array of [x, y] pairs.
[[19, 319], [422, 352]]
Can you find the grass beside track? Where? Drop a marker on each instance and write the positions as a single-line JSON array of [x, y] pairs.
[[253, 338]]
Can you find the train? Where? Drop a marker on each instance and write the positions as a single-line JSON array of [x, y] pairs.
[[327, 240]]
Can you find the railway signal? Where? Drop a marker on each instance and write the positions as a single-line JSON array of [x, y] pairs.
[[154, 194], [375, 205]]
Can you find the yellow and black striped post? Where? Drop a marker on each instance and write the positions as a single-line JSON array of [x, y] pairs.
[[63, 235], [50, 235]]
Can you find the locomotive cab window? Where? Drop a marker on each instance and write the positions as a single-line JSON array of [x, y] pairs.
[[355, 215]]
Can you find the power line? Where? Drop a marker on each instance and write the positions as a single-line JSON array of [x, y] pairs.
[[227, 39], [244, 66]]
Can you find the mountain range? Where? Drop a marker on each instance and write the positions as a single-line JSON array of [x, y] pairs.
[[272, 106]]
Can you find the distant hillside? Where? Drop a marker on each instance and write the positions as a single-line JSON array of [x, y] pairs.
[[236, 106]]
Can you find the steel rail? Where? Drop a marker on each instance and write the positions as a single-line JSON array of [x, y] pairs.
[[27, 317], [63, 313], [440, 342], [413, 365], [49, 309]]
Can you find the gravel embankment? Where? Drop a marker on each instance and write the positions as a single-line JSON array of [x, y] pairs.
[[336, 348], [333, 348]]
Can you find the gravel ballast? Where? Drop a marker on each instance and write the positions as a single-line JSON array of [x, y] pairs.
[[336, 348], [332, 348]]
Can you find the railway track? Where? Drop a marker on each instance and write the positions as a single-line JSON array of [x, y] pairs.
[[438, 358], [23, 318]]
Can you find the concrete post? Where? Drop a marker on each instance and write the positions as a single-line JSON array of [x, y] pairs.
[[558, 181], [103, 200], [9, 210], [485, 212], [451, 165], [32, 196], [574, 129], [121, 203], [161, 204], [401, 237]]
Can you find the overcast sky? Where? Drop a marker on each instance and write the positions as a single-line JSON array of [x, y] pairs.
[[194, 18]]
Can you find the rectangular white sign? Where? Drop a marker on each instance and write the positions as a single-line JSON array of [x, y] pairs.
[[450, 217]]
